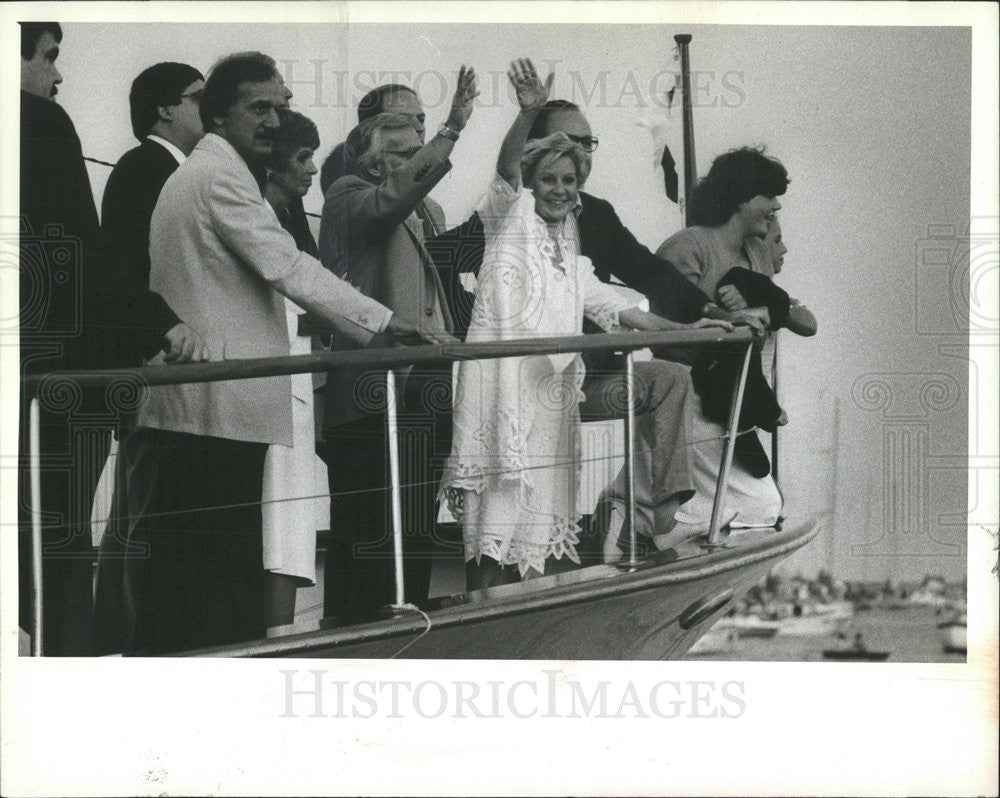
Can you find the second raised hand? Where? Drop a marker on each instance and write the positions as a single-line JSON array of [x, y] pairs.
[[531, 93], [465, 92]]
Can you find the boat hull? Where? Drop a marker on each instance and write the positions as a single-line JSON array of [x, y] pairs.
[[856, 656], [656, 611]]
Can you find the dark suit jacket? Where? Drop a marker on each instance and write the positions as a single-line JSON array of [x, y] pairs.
[[142, 316], [60, 243]]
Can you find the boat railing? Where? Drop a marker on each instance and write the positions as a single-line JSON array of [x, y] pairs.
[[135, 381]]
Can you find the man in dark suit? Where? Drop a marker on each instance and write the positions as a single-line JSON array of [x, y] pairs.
[[163, 105], [59, 253], [664, 392]]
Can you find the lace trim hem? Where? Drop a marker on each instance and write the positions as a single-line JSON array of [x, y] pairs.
[[564, 536]]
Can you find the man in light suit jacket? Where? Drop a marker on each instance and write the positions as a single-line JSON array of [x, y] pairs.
[[221, 260], [375, 220]]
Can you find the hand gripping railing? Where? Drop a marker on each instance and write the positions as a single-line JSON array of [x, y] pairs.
[[391, 359]]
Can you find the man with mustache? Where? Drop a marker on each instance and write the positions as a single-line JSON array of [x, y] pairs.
[[222, 261]]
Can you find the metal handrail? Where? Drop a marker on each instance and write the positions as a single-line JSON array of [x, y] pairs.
[[390, 359]]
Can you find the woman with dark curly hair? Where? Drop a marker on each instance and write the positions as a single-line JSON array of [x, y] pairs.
[[723, 252], [291, 474]]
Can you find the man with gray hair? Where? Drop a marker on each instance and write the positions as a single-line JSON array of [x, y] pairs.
[[375, 220]]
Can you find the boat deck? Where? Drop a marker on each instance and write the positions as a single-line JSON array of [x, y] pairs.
[[654, 611]]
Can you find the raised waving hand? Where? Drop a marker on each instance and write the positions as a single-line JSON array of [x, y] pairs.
[[465, 92], [531, 93]]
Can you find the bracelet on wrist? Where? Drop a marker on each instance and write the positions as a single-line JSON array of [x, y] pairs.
[[449, 132]]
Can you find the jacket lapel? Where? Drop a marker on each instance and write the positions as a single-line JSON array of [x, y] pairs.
[[430, 272]]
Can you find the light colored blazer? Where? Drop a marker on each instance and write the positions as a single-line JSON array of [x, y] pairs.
[[364, 235], [221, 260]]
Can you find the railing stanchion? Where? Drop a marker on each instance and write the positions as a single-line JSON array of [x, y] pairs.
[[633, 542], [34, 454], [394, 486], [727, 451]]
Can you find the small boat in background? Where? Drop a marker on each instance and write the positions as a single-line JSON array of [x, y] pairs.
[[857, 652], [749, 626], [851, 655], [954, 634]]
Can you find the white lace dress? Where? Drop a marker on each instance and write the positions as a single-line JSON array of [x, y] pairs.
[[514, 469]]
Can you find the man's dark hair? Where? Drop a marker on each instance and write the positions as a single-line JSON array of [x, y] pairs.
[[373, 103], [540, 127], [156, 86], [735, 177], [223, 83], [295, 131], [31, 32]]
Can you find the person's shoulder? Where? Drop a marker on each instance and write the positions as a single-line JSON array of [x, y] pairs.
[[39, 115], [131, 160], [684, 236], [344, 186], [685, 241], [595, 205]]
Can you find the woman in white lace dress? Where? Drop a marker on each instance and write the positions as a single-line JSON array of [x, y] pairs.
[[513, 472]]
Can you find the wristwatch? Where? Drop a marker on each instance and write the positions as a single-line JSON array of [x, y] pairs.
[[448, 132]]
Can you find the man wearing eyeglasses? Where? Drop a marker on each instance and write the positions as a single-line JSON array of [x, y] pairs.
[[163, 107]]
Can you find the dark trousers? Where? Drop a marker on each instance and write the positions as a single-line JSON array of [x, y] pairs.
[[195, 572], [359, 573], [114, 616], [72, 448]]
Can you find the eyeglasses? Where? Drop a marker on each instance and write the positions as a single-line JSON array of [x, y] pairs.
[[589, 143], [194, 96]]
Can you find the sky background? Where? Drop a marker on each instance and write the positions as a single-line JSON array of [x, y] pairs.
[[873, 125]]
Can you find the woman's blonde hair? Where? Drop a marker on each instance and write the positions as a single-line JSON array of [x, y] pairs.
[[540, 153]]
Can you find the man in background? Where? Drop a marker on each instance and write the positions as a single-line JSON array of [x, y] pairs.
[[59, 258], [163, 106]]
